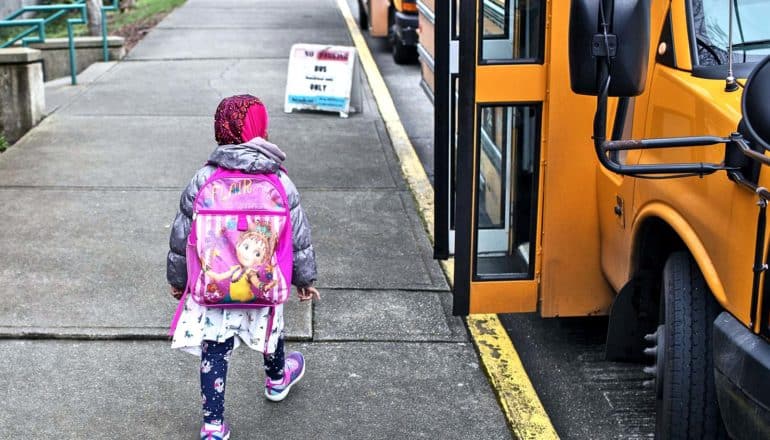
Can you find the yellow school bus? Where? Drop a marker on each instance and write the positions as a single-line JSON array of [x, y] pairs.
[[394, 19], [608, 157]]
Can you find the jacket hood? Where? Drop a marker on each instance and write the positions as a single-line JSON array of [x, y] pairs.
[[255, 156]]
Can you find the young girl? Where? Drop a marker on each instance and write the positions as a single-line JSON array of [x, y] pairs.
[[240, 126]]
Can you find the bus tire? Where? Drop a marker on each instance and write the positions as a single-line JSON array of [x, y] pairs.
[[363, 20], [403, 54], [687, 408]]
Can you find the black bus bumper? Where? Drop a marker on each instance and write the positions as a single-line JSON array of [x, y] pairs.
[[406, 28], [742, 375]]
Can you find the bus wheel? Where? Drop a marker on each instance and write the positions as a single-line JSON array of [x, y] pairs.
[[686, 400], [403, 54], [363, 20]]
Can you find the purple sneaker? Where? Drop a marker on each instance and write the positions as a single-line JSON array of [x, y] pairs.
[[293, 370], [223, 433]]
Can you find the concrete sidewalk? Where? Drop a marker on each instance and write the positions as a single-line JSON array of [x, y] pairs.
[[89, 195]]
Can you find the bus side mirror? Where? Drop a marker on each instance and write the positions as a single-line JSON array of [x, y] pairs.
[[755, 104], [627, 45]]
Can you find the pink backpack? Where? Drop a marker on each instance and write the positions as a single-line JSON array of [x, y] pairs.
[[239, 252]]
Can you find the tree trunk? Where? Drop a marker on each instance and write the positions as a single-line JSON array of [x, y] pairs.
[[94, 17]]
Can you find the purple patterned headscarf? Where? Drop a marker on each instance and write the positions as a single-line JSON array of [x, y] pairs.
[[239, 119]]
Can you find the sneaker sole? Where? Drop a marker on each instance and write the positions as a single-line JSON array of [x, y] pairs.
[[226, 437], [284, 393]]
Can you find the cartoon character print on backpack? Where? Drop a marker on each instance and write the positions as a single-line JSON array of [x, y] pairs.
[[240, 245], [254, 275]]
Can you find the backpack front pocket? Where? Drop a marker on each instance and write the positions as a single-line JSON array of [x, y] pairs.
[[235, 253]]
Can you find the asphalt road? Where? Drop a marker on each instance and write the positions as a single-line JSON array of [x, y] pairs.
[[585, 396]]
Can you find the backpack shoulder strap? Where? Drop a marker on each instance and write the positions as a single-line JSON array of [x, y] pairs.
[[276, 181]]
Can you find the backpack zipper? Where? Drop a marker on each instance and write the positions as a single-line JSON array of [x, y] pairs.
[[238, 212]]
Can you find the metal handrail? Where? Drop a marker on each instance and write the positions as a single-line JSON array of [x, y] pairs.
[[37, 25], [105, 10]]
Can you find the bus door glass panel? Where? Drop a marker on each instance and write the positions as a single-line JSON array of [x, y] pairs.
[[449, 121], [507, 191], [454, 90], [511, 30], [501, 91], [511, 33], [454, 54]]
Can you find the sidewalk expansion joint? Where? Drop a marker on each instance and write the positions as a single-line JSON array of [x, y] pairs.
[[298, 115], [82, 334], [373, 189], [129, 115], [100, 334], [380, 289], [389, 341], [81, 188], [161, 334], [90, 188], [217, 59], [234, 28]]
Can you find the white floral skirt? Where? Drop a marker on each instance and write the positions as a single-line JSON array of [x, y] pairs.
[[258, 328]]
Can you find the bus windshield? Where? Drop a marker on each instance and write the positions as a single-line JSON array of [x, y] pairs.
[[751, 34]]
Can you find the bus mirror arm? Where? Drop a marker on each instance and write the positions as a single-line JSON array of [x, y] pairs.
[[737, 139], [744, 147], [756, 123], [690, 141], [604, 147]]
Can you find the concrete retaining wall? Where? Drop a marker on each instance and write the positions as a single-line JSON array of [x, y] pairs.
[[22, 93], [88, 50]]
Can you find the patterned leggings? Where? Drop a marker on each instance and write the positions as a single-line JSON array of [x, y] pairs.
[[214, 359]]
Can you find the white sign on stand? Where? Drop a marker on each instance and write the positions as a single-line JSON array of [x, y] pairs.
[[320, 78]]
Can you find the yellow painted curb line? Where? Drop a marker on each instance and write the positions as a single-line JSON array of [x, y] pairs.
[[522, 408]]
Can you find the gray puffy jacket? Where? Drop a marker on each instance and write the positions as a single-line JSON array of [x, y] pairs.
[[255, 157]]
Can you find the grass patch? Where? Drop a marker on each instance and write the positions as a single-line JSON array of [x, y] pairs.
[[145, 13], [144, 10], [134, 23], [58, 27], [3, 143]]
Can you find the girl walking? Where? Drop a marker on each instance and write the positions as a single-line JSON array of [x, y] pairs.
[[240, 126]]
